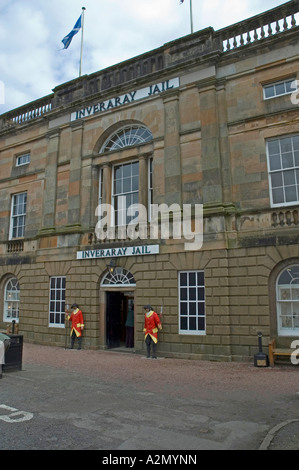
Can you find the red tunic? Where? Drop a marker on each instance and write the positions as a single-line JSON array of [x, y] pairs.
[[76, 318], [151, 325]]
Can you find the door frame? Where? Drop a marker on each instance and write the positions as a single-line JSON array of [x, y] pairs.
[[103, 309]]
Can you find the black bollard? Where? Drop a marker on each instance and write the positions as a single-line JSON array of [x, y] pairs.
[[261, 359]]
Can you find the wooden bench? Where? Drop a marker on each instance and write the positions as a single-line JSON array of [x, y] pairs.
[[276, 352]]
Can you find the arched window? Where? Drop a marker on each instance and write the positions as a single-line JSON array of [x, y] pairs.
[[11, 300], [127, 136], [287, 297], [120, 277], [125, 193]]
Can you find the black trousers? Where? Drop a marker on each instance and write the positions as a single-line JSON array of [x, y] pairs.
[[73, 337], [150, 343]]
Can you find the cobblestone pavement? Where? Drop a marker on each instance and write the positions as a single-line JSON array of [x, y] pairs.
[[120, 401]]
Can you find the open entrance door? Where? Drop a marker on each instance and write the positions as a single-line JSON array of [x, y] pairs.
[[118, 305]]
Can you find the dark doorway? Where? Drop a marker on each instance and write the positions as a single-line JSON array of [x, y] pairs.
[[117, 304]]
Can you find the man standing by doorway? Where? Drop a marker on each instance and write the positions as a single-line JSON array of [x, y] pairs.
[[76, 317], [152, 324]]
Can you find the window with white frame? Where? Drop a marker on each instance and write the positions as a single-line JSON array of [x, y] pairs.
[[287, 301], [23, 159], [101, 186], [282, 87], [57, 300], [150, 187], [18, 215], [192, 319], [120, 277], [125, 176], [283, 168], [11, 300], [125, 191], [127, 136]]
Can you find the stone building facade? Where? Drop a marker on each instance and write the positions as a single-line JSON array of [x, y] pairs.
[[209, 120]]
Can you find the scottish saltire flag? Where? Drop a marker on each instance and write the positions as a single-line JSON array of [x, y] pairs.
[[67, 39]]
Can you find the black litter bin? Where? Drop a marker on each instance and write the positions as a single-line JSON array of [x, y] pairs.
[[14, 354]]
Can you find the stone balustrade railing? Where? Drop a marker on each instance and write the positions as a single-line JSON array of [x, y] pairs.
[[26, 113], [261, 26], [285, 218], [15, 246]]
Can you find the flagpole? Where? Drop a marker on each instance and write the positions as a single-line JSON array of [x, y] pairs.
[[191, 17], [82, 29]]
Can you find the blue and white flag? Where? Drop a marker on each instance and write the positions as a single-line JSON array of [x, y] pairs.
[[67, 39]]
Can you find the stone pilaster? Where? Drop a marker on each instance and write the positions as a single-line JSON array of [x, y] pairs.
[[172, 153], [107, 176], [224, 142], [74, 197], [211, 160], [50, 189]]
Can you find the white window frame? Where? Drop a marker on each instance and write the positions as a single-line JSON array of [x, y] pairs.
[[11, 300], [285, 84], [196, 300], [284, 170], [101, 186], [123, 209], [287, 302], [119, 278], [101, 194], [18, 216], [150, 174], [23, 159], [57, 289], [127, 136]]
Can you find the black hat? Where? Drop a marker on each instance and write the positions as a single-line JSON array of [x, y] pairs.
[[74, 306], [148, 306]]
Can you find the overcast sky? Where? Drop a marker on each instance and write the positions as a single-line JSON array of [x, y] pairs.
[[32, 59]]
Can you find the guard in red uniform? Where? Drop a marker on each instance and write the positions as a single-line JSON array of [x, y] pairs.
[[152, 324], [76, 317]]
